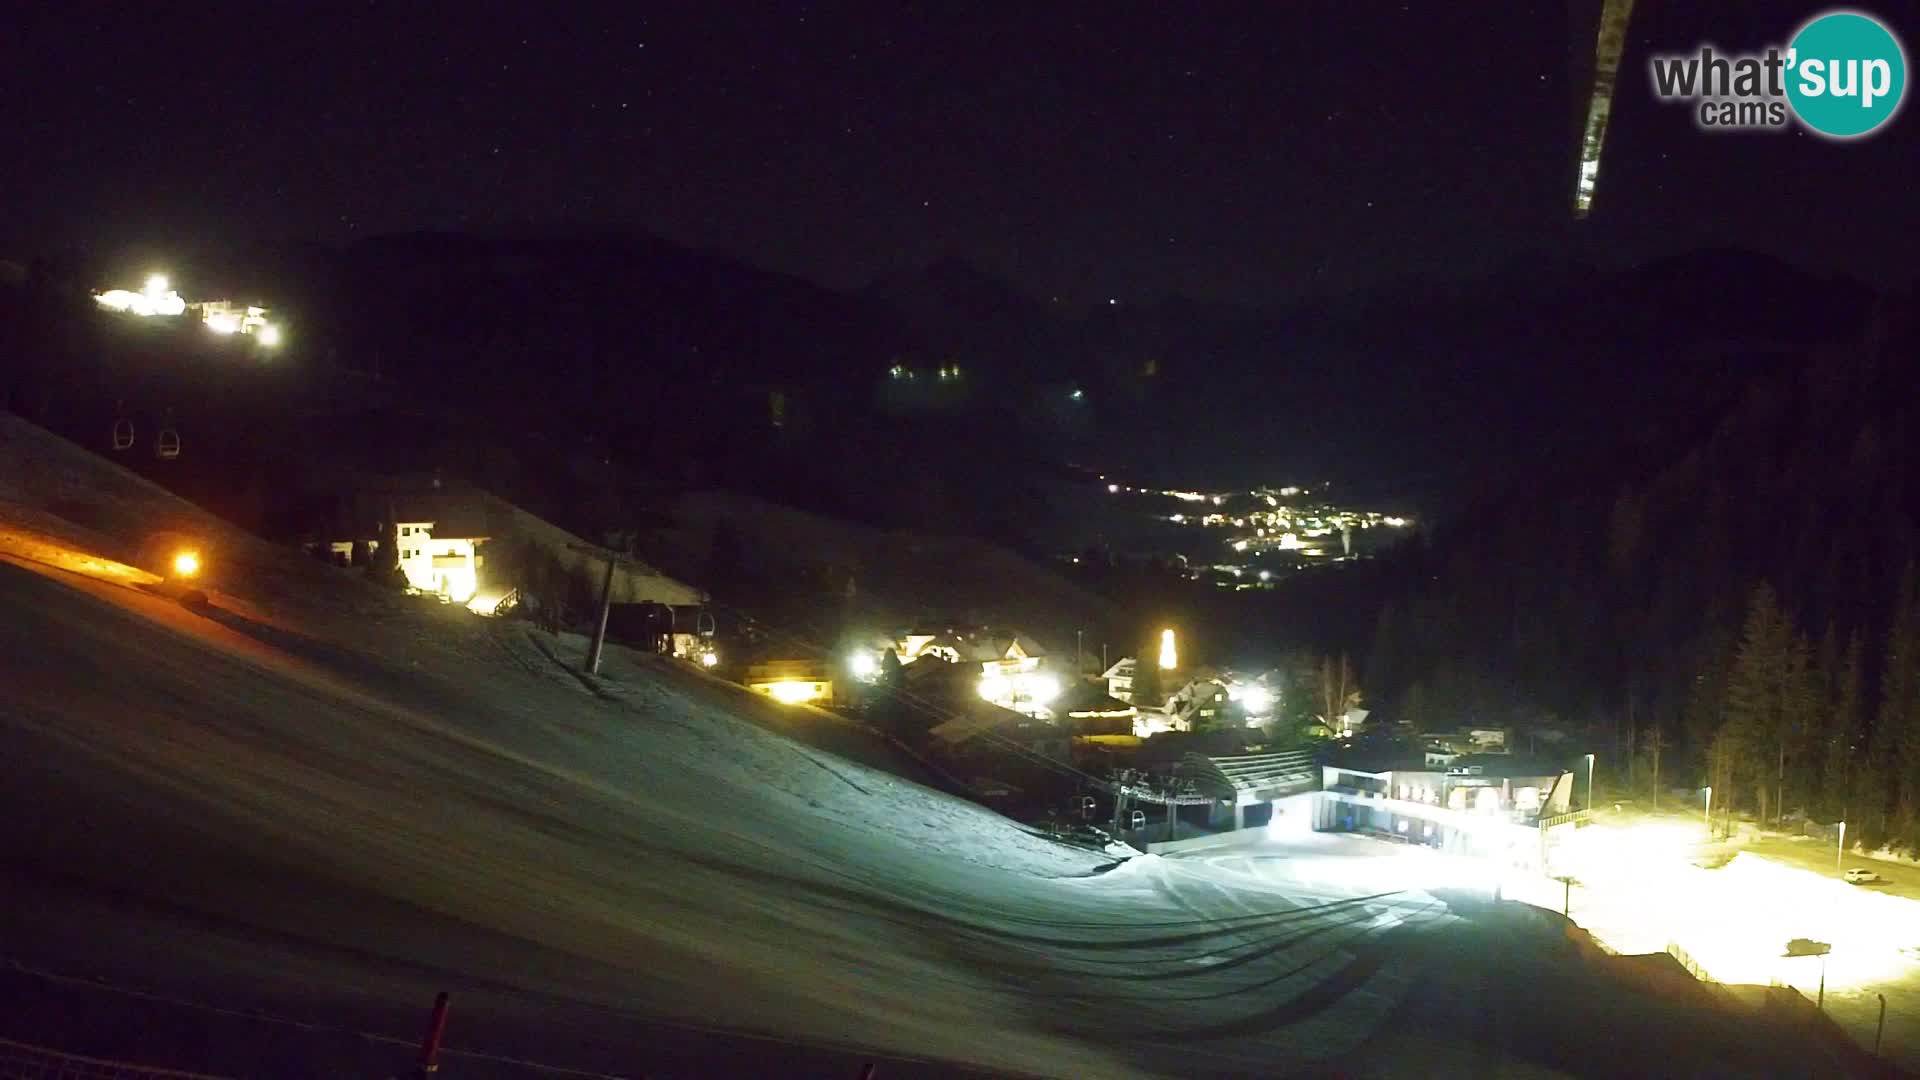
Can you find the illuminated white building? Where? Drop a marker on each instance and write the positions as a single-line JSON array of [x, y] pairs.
[[1120, 679], [447, 566], [1492, 805]]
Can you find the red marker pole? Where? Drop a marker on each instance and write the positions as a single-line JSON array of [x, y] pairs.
[[430, 1046]]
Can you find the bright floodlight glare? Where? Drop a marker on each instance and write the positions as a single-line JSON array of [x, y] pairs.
[[156, 284], [791, 691], [995, 688], [186, 564], [223, 324], [709, 659], [1256, 699], [269, 335], [863, 665], [1042, 689], [1169, 656]]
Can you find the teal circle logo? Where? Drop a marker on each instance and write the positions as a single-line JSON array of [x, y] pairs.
[[1846, 74]]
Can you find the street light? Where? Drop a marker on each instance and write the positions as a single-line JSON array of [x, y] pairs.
[[1840, 849], [1708, 816], [186, 564]]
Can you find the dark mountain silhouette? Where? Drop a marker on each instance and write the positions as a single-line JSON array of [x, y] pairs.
[[690, 368]]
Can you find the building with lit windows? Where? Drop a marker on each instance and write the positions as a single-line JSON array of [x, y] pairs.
[[447, 536], [792, 682], [1120, 678], [444, 565]]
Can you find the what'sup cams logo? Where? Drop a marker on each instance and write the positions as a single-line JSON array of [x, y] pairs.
[[1842, 76]]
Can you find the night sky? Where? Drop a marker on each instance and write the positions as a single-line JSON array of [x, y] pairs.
[[1254, 154]]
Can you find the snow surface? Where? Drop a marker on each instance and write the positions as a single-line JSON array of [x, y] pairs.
[[325, 804]]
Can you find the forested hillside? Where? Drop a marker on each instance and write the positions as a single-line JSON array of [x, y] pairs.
[[1745, 615]]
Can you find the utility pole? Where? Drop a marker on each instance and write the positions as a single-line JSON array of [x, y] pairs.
[[606, 602]]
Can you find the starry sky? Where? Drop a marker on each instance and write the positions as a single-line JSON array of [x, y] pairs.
[[1248, 153]]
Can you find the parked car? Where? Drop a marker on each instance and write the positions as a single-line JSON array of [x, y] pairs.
[[1860, 875]]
